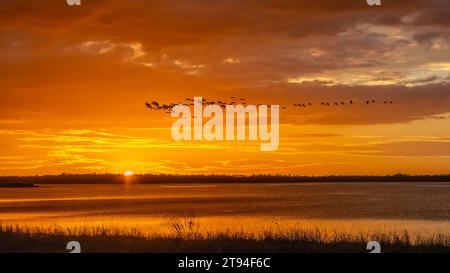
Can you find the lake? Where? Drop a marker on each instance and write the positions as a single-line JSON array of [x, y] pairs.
[[419, 207]]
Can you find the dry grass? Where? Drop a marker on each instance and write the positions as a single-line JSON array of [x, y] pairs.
[[185, 236]]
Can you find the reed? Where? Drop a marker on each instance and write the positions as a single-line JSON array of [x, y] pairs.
[[185, 236]]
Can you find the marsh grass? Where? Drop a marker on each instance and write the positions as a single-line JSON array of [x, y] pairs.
[[185, 228], [185, 236]]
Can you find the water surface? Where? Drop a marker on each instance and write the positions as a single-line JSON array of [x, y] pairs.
[[354, 207]]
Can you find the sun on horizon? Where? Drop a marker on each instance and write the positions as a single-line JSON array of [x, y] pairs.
[[128, 173]]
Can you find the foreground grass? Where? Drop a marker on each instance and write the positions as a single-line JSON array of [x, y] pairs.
[[188, 239]]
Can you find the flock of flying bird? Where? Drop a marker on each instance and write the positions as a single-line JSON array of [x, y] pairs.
[[340, 103], [154, 105], [167, 108]]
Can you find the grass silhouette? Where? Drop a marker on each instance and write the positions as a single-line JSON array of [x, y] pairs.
[[185, 236]]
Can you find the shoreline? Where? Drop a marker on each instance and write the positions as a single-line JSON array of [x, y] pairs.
[[18, 185], [188, 179]]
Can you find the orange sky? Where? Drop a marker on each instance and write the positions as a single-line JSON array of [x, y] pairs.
[[73, 82]]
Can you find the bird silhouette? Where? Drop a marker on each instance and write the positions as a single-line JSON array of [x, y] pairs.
[[168, 108]]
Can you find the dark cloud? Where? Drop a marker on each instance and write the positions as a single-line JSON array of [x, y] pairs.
[[409, 103], [271, 39], [430, 38]]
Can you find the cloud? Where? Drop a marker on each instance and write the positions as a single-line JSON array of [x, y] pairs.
[[412, 149], [276, 40]]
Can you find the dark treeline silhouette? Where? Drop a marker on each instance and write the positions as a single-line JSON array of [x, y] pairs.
[[16, 185], [165, 178]]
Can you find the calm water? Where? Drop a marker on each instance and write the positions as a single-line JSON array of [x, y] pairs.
[[353, 207]]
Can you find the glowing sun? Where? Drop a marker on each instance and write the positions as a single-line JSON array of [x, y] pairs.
[[128, 173]]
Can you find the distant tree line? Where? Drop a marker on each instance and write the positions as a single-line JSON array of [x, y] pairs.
[[165, 178]]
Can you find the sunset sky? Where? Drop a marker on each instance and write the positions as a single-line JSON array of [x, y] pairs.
[[73, 82]]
